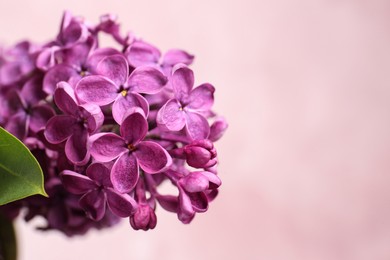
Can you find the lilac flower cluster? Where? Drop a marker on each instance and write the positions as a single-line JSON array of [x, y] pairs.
[[108, 127]]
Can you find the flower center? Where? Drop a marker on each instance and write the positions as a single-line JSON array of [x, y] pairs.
[[131, 147], [83, 122], [124, 93]]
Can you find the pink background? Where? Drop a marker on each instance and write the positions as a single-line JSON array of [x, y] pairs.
[[305, 162]]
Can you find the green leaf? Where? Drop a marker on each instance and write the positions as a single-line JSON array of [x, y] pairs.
[[20, 173]]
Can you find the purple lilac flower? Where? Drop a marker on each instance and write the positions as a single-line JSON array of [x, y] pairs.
[[129, 152], [188, 106], [108, 24], [18, 62], [97, 192], [108, 127], [72, 31], [24, 110], [74, 126]]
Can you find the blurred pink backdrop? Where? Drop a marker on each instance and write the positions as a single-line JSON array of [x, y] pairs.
[[305, 163]]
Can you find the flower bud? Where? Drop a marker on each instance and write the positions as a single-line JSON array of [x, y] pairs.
[[217, 129], [200, 154], [144, 218]]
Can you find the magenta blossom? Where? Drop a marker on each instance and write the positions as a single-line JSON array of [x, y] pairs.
[[75, 126], [97, 191], [25, 113], [188, 106], [129, 151]]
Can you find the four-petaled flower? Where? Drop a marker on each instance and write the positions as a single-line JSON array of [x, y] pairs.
[[75, 126], [97, 191], [25, 112], [189, 105], [130, 152]]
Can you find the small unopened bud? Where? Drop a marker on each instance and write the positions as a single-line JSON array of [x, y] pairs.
[[200, 154], [144, 218], [217, 129]]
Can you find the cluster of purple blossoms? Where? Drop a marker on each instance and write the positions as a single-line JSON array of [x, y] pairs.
[[108, 127]]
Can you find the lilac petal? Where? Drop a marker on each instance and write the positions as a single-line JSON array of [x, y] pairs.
[[57, 74], [115, 68], [18, 125], [134, 128], [185, 211], [108, 24], [168, 202], [147, 80], [217, 129], [124, 173], [32, 91], [64, 99], [93, 115], [199, 201], [66, 19], [174, 56], [97, 55], [107, 146], [76, 149], [172, 116], [59, 128], [123, 104], [211, 194], [10, 73], [76, 56], [195, 182], [39, 117], [214, 180], [182, 81], [122, 205], [152, 157], [46, 58], [94, 204], [201, 98], [13, 102], [76, 183], [96, 89], [197, 126], [141, 53], [100, 174], [72, 31]]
